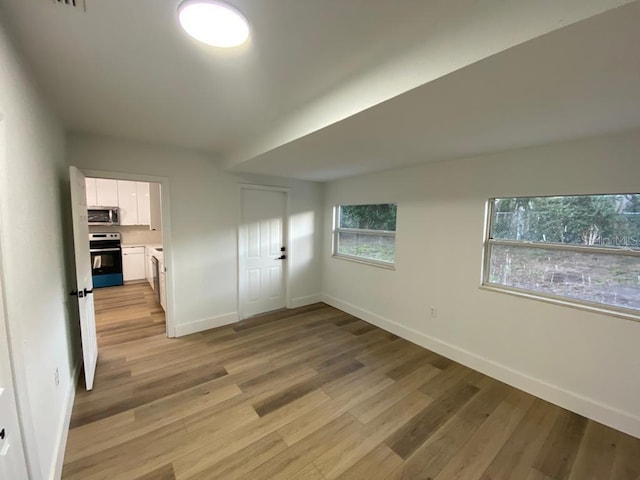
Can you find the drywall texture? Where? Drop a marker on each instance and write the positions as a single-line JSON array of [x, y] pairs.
[[205, 210], [585, 361], [36, 253]]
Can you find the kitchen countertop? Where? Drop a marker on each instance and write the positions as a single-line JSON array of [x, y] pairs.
[[152, 245], [156, 253]]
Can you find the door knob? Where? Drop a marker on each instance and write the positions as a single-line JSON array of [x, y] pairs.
[[2, 434], [281, 257], [81, 293]]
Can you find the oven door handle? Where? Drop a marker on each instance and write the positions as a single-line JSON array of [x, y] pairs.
[[99, 250]]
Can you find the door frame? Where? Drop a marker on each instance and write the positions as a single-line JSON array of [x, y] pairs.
[[16, 363], [20, 412], [286, 236], [167, 247], [4, 324]]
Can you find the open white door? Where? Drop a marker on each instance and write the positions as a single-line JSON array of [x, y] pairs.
[[261, 251], [12, 460], [84, 282]]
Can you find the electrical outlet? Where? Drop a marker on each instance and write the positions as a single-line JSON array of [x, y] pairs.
[[56, 377], [434, 312]]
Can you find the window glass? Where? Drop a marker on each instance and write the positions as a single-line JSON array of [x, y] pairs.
[[373, 247], [592, 277], [366, 233], [597, 220], [585, 248], [369, 217]]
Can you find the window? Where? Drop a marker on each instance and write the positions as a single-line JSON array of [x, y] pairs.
[[366, 233], [581, 248]]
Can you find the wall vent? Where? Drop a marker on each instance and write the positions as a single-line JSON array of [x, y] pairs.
[[77, 4]]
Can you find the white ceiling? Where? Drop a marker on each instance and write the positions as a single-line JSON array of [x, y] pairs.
[[339, 87]]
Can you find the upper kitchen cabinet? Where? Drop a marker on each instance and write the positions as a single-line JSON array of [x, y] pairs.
[[133, 200], [144, 203], [155, 207], [128, 202], [139, 202], [102, 192], [92, 192]]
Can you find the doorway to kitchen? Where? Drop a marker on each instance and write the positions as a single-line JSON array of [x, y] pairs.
[[129, 235]]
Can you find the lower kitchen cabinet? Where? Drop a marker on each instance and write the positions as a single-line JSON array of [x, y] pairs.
[[133, 263], [148, 255]]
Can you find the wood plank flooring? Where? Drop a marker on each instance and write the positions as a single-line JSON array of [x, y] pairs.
[[312, 394]]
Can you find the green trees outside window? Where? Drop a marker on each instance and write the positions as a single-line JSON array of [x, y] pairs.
[[580, 247], [599, 220], [366, 233]]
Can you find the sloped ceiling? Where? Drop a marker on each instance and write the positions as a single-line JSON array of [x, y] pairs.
[[333, 88]]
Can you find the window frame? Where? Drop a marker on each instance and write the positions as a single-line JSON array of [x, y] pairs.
[[488, 243], [356, 258]]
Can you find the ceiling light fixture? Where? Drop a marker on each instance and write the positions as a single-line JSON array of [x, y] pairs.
[[214, 23]]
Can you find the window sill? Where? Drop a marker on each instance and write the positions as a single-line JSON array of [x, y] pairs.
[[619, 312], [365, 261]]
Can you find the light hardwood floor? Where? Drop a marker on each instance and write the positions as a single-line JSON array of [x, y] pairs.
[[312, 394]]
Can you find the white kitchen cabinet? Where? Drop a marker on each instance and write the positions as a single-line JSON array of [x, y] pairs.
[[101, 192], [92, 192], [144, 203], [106, 192], [128, 202], [133, 263], [148, 255], [133, 200], [155, 207]]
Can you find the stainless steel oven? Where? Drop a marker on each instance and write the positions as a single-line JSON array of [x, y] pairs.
[[106, 259], [156, 278]]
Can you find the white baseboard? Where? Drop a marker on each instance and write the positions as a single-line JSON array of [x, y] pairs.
[[63, 427], [304, 301], [206, 324], [588, 407]]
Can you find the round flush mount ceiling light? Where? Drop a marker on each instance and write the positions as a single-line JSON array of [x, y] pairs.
[[214, 23]]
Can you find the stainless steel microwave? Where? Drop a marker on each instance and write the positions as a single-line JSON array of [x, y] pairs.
[[103, 215]]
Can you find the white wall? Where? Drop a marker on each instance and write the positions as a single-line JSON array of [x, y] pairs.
[[587, 362], [204, 207], [34, 208]]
